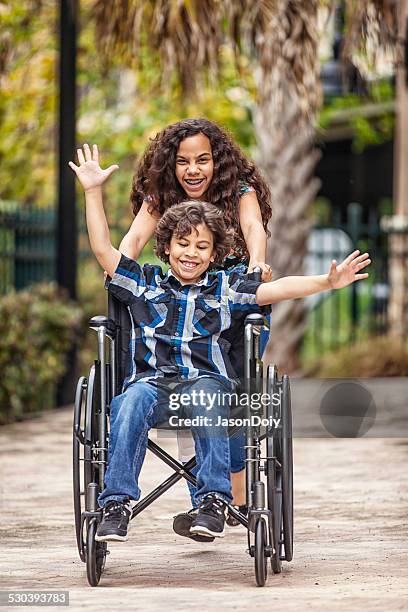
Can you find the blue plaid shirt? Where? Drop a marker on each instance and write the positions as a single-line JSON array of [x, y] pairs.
[[182, 330]]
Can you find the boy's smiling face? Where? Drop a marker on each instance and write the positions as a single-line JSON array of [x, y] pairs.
[[191, 255]]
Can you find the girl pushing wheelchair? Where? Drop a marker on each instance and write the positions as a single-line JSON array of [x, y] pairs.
[[196, 159], [183, 321]]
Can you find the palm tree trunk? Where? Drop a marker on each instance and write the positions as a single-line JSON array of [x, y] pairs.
[[284, 122], [398, 269], [288, 159]]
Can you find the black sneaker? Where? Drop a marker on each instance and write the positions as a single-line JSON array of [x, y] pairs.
[[210, 519], [231, 521], [115, 522], [182, 524]]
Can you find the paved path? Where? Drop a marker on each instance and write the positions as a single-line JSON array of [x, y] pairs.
[[350, 545]]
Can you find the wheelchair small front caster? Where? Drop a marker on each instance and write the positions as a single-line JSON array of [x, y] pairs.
[[95, 554], [261, 565]]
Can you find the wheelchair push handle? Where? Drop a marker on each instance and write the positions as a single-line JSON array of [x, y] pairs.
[[256, 274], [255, 319]]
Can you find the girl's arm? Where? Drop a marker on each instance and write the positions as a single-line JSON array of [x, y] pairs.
[[139, 233], [293, 287], [99, 238], [91, 177], [250, 219]]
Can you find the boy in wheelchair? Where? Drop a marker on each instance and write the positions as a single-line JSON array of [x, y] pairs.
[[181, 321]]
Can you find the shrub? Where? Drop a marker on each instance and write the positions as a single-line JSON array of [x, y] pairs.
[[37, 329], [380, 356], [94, 300]]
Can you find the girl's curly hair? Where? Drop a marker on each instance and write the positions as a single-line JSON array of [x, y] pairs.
[[155, 178], [182, 218]]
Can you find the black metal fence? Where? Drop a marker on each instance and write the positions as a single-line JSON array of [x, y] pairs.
[[27, 246], [360, 310], [27, 255]]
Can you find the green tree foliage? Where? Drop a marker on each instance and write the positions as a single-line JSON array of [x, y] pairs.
[[371, 117], [118, 109], [27, 101]]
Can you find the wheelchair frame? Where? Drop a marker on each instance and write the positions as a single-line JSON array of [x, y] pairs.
[[269, 522]]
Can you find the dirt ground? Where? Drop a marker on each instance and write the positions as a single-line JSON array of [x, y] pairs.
[[350, 532]]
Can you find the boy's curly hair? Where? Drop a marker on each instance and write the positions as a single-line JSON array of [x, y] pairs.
[[182, 218], [155, 177]]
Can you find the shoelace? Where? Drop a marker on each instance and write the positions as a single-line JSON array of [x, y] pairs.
[[115, 508], [212, 505]]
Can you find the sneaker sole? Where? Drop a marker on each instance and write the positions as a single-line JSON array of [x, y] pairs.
[[204, 531], [181, 526], [111, 538]]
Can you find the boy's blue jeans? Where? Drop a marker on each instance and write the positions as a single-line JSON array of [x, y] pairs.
[[237, 461], [237, 442], [139, 409]]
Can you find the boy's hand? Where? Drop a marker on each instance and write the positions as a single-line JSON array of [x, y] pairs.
[[341, 275], [266, 270], [89, 172]]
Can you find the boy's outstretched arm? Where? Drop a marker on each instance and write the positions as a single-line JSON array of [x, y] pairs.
[[292, 287], [91, 177]]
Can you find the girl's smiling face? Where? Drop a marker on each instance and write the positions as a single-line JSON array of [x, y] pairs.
[[194, 165]]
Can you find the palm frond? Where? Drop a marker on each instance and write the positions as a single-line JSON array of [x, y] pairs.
[[371, 28], [115, 26], [192, 35], [283, 34], [279, 35], [186, 33]]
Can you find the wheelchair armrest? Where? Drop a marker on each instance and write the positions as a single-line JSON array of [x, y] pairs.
[[102, 321]]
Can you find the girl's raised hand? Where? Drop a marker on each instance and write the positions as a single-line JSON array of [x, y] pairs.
[[341, 275], [89, 172]]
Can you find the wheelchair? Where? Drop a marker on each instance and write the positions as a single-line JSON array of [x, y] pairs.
[[268, 449]]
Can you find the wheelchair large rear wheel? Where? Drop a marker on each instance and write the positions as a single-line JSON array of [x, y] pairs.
[[85, 430], [77, 462], [286, 460], [85, 471], [275, 505], [91, 472], [274, 472], [95, 551]]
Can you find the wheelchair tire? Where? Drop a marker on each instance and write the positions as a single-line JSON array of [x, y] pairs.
[[91, 426], [261, 540], [95, 554], [274, 476], [286, 460], [85, 434], [275, 505], [77, 443]]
